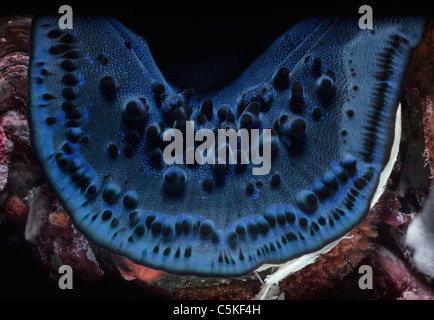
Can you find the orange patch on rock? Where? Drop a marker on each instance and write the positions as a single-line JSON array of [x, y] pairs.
[[59, 219], [136, 271], [15, 209]]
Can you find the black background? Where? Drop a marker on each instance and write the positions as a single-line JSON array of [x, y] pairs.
[[185, 36]]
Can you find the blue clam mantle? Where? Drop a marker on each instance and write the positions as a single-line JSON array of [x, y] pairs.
[[98, 107]]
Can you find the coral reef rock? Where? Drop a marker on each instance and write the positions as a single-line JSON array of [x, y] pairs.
[[58, 241]]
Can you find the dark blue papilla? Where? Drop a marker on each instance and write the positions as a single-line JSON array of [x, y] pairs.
[[98, 106]]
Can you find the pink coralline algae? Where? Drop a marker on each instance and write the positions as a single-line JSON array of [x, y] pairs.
[[14, 47], [13, 84], [390, 213], [15, 126], [14, 60]]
